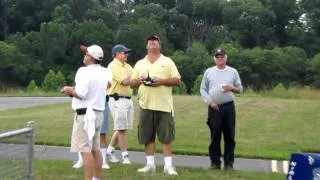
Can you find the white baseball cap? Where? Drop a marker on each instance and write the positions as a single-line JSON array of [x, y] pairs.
[[94, 50]]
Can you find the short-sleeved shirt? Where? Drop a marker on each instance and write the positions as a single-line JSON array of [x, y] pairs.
[[120, 71], [156, 98], [91, 83]]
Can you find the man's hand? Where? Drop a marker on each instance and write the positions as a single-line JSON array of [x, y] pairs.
[[214, 106], [166, 82], [158, 82], [68, 90], [227, 88], [135, 83], [126, 82]]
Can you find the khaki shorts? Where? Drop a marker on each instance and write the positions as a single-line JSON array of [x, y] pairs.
[[122, 113], [79, 138], [155, 122]]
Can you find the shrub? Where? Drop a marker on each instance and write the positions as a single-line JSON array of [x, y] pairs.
[[197, 84], [182, 89], [53, 81], [32, 87]]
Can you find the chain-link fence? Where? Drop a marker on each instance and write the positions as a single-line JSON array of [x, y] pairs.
[[16, 153]]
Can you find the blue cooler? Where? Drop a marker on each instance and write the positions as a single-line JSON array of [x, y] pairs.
[[304, 166]]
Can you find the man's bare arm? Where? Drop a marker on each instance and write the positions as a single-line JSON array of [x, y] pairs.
[[166, 82]]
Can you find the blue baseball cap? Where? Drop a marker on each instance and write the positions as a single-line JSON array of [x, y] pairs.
[[120, 48]]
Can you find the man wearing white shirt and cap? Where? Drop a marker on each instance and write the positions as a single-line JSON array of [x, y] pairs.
[[88, 102]]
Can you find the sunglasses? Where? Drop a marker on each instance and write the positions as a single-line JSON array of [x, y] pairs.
[[219, 56]]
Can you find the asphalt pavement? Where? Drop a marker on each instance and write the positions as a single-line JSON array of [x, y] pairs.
[[23, 102], [243, 164]]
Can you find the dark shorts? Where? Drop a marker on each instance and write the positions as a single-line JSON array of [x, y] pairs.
[[155, 122]]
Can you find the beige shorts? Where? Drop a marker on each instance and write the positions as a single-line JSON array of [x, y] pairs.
[[79, 138], [122, 113]]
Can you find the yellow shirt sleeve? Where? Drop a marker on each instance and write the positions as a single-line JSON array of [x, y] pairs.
[[174, 73], [135, 72], [117, 77]]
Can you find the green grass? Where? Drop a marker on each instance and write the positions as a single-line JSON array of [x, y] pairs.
[[268, 128], [302, 93], [50, 170]]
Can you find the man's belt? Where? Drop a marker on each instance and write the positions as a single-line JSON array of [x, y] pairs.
[[83, 111], [116, 96]]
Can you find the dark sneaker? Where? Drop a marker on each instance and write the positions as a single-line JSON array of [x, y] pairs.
[[228, 167], [215, 166]]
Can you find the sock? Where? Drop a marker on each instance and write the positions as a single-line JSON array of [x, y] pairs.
[[104, 154], [110, 149], [95, 178], [150, 160], [124, 153], [167, 161], [80, 157]]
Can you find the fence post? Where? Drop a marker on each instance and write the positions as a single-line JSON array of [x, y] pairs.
[[31, 140]]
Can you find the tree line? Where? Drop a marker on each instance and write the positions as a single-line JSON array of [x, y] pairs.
[[268, 41]]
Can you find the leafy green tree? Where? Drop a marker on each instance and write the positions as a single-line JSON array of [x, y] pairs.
[[134, 36], [167, 4], [106, 15], [253, 22], [192, 63], [285, 12], [174, 24], [25, 15], [79, 8], [16, 67], [150, 10], [62, 14]]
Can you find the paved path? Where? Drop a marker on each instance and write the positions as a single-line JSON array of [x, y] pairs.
[[258, 165], [51, 152], [22, 102]]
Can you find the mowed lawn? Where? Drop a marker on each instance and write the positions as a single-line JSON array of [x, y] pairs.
[[266, 127], [50, 170]]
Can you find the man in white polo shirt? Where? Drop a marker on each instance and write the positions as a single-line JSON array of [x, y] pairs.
[[88, 102]]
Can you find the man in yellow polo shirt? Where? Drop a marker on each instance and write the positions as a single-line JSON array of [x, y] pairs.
[[120, 103], [155, 75]]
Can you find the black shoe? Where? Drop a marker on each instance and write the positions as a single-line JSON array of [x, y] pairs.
[[228, 167], [215, 166]]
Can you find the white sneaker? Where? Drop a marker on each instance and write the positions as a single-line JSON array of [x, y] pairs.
[[78, 165], [126, 160], [170, 170], [148, 168], [105, 165], [112, 157]]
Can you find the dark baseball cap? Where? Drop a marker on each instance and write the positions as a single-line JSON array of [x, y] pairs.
[[220, 51], [120, 48], [154, 37]]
